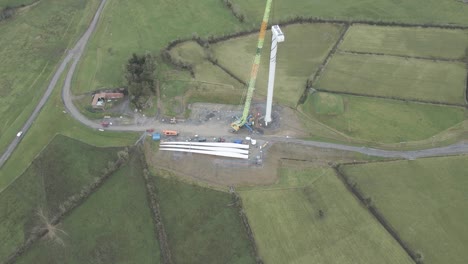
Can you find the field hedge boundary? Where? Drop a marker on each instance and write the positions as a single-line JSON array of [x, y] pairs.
[[234, 10], [153, 200], [367, 202], [237, 200], [72, 203], [310, 82]]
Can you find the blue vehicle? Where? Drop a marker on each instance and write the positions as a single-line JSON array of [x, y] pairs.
[[237, 141]]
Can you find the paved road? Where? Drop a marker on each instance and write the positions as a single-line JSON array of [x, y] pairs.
[[213, 129]]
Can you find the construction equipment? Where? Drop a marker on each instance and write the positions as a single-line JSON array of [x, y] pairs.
[[170, 132], [236, 125]]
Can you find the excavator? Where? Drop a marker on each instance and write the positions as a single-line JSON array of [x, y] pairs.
[[246, 118]]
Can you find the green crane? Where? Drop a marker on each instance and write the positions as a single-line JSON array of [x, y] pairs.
[[236, 125]]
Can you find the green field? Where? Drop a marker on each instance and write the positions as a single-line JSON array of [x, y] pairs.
[[424, 200], [113, 226], [32, 44], [61, 170], [299, 56], [415, 11], [289, 227], [381, 120], [144, 25], [395, 77], [202, 225], [419, 42], [14, 3]]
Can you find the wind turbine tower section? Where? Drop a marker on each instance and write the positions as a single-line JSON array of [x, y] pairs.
[[277, 36]]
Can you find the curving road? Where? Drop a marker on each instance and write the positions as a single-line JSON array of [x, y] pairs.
[[75, 55]]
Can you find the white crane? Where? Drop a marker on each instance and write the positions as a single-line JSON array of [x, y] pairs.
[[276, 37]]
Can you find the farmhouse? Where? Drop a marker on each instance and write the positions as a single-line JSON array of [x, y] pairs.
[[99, 99]]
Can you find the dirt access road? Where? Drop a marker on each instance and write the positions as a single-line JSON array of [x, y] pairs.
[[208, 129]]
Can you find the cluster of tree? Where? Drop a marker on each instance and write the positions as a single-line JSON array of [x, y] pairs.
[[141, 78]]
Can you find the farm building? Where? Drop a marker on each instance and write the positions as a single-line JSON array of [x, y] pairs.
[[99, 99]]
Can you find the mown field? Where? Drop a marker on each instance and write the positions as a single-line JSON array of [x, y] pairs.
[[32, 43], [424, 200], [144, 25], [415, 11], [310, 217], [202, 225], [414, 41], [380, 120], [395, 77], [113, 226], [61, 170], [298, 58]]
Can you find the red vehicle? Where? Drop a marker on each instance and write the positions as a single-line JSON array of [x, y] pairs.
[[104, 124], [151, 130]]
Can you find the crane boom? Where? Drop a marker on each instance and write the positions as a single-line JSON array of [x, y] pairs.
[[236, 125]]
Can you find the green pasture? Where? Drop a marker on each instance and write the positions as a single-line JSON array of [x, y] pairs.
[[299, 56], [381, 120], [14, 3], [32, 43], [141, 26], [414, 41], [387, 76], [202, 225], [113, 225], [424, 200], [310, 217], [414, 11], [61, 170]]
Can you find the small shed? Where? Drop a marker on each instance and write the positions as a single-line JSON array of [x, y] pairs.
[[156, 136]]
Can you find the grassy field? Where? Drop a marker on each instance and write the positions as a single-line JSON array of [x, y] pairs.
[[211, 83], [395, 77], [202, 225], [299, 56], [415, 11], [380, 120], [310, 217], [32, 44], [420, 42], [113, 226], [424, 200], [61, 170], [14, 3], [145, 25]]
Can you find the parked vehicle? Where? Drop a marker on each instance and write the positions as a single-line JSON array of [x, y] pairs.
[[170, 132]]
